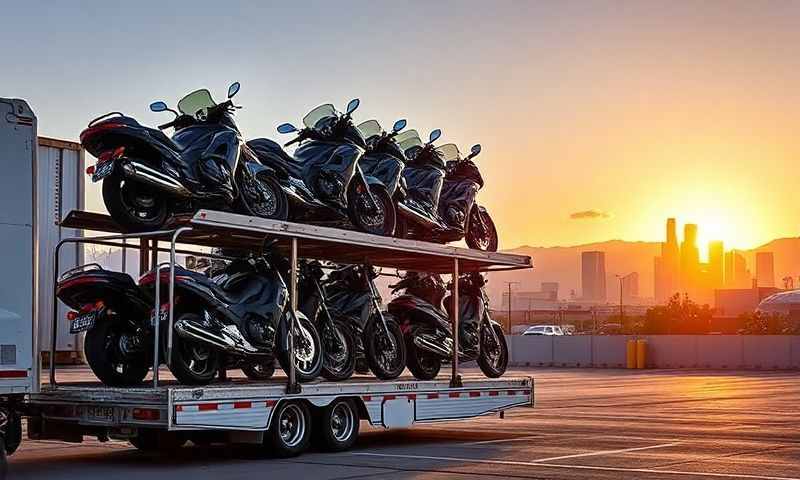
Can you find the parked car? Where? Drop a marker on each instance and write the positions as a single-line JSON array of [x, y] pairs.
[[544, 330]]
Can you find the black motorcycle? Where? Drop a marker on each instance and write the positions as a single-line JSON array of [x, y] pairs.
[[114, 313], [429, 333], [241, 313], [323, 180], [148, 176], [440, 205], [338, 339], [351, 294], [384, 159]]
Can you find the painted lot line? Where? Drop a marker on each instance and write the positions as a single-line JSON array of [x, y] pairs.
[[576, 467]]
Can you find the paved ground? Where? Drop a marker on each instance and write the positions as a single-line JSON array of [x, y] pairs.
[[606, 424]]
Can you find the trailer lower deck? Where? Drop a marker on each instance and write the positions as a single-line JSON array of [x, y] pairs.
[[248, 406]]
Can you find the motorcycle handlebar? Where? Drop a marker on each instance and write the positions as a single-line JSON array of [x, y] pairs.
[[300, 136], [168, 124]]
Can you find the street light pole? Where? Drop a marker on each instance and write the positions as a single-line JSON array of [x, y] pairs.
[[509, 284], [621, 279]]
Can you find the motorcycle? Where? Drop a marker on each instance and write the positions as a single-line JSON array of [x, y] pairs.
[[148, 176], [338, 339], [384, 159], [114, 313], [440, 205], [242, 314], [351, 294], [429, 334], [323, 180]]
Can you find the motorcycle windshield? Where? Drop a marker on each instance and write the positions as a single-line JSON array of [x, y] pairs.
[[312, 119], [196, 103], [408, 139], [370, 128], [448, 152]]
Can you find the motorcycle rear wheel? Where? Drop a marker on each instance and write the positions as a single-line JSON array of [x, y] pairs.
[[493, 359], [422, 364], [262, 197], [380, 222], [476, 237], [259, 371], [192, 363], [107, 359], [135, 207]]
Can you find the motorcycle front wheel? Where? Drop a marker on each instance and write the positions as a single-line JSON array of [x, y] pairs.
[[481, 233], [308, 349], [135, 207], [262, 197], [386, 355], [493, 359], [339, 350], [379, 219]]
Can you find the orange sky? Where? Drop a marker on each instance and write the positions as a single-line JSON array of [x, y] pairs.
[[639, 109]]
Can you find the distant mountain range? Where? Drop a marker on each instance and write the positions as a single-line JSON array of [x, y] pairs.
[[562, 265]]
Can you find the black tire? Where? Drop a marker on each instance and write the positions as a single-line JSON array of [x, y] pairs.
[[192, 363], [401, 227], [269, 201], [422, 364], [478, 238], [3, 459], [151, 440], [259, 371], [103, 347], [308, 350], [386, 356], [135, 207], [336, 426], [493, 359], [381, 223], [289, 433], [339, 351]]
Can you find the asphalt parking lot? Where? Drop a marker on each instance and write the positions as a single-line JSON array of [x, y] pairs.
[[663, 424]]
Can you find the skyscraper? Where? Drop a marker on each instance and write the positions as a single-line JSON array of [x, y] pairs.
[[716, 264], [765, 269], [593, 276], [736, 274], [667, 266], [690, 259], [630, 286]]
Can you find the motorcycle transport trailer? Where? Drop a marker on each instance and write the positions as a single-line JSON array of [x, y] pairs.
[[275, 412]]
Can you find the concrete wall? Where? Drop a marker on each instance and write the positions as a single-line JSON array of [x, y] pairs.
[[751, 352]]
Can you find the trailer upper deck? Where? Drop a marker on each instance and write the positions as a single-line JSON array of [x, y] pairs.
[[213, 228]]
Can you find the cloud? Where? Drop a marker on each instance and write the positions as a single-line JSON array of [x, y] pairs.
[[589, 214]]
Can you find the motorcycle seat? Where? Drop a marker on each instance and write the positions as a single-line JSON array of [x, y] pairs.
[[269, 152], [231, 288]]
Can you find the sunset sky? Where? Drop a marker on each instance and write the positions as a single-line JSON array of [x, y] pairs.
[[633, 111]]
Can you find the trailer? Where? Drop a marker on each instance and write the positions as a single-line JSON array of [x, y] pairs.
[[280, 414]]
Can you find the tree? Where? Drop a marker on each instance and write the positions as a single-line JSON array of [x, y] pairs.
[[678, 316]]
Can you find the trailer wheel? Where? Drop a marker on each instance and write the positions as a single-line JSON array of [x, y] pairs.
[[337, 428], [290, 432]]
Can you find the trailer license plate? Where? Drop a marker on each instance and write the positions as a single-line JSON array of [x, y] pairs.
[[83, 322], [102, 170], [100, 414]]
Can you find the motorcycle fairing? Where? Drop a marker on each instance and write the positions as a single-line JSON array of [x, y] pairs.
[[117, 290], [386, 168], [419, 310], [456, 201], [424, 184]]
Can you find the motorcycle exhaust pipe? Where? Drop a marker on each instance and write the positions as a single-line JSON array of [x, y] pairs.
[[426, 344], [149, 176], [417, 217], [191, 331]]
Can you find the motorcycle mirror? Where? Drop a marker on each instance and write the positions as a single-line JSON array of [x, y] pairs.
[[286, 128], [434, 135], [159, 107], [233, 89], [399, 125], [352, 105], [476, 149]]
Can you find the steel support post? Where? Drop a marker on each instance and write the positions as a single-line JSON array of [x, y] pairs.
[[292, 386], [455, 378]]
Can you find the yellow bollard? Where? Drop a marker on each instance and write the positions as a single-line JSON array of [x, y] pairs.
[[641, 353], [630, 353]]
